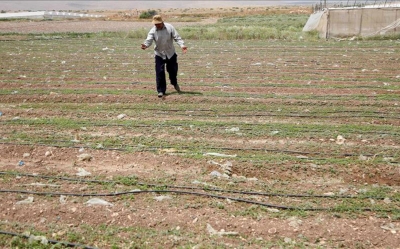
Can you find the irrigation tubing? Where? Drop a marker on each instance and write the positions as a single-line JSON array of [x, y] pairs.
[[192, 113], [68, 244], [108, 124], [196, 188], [198, 194], [153, 148], [171, 191]]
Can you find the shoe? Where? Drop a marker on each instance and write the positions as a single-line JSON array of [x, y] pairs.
[[177, 88], [160, 94]]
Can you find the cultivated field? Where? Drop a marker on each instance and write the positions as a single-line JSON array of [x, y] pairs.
[[275, 142]]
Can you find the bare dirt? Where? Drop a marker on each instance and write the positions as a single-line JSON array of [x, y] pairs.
[[186, 214], [183, 221]]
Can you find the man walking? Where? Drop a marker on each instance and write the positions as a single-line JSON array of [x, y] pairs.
[[163, 34]]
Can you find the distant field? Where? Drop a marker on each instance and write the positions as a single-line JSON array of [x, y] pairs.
[[304, 133]]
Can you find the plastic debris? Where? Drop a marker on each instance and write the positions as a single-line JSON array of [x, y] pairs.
[[98, 201], [233, 129], [295, 222], [162, 198], [26, 201], [21, 163], [38, 184], [274, 132], [196, 182], [218, 154], [391, 227], [226, 167], [222, 232], [340, 139], [83, 172], [63, 199], [253, 179], [121, 116], [273, 210], [43, 240], [99, 146]]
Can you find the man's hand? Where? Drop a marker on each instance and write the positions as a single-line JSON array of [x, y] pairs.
[[184, 49], [143, 46]]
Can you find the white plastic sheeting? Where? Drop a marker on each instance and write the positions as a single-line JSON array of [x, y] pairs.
[[349, 22], [46, 14]]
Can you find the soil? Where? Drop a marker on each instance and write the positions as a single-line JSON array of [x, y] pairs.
[[184, 219]]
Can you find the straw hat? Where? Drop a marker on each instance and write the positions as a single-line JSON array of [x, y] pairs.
[[157, 19]]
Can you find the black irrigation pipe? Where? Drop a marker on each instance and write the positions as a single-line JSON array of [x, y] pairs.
[[155, 148], [290, 116], [220, 126], [181, 192], [195, 188], [68, 244]]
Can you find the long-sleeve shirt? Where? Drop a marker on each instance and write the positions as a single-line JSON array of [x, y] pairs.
[[163, 38]]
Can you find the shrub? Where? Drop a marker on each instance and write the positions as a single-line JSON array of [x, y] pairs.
[[148, 14]]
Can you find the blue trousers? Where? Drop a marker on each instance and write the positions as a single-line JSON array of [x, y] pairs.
[[172, 68]]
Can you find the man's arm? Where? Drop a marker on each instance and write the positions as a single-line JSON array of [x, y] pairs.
[[178, 39], [149, 40]]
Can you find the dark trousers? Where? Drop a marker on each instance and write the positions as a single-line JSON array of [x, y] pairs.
[[172, 69]]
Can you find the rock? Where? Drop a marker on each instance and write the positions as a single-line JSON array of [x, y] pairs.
[[215, 174], [83, 172], [84, 157], [98, 201], [26, 201]]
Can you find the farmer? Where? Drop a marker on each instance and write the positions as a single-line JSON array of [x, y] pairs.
[[163, 34]]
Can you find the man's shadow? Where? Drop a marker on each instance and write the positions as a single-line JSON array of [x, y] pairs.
[[184, 92]]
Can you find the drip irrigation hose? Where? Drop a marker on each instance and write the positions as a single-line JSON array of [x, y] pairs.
[[291, 115], [169, 191], [197, 194], [68, 244], [197, 188], [152, 148]]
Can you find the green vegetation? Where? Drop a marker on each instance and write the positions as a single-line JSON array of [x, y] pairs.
[[260, 27], [147, 14]]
